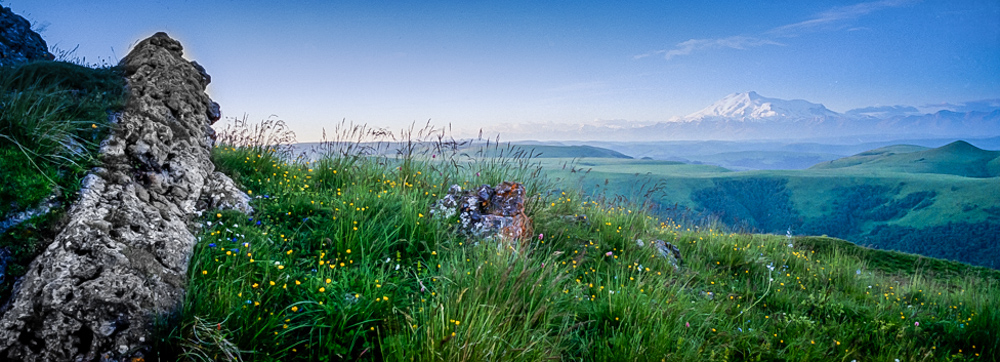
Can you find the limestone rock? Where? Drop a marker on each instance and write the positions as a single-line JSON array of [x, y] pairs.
[[123, 256], [668, 251], [18, 43], [487, 211], [222, 193]]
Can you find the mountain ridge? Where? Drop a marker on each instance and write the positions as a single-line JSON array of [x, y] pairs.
[[751, 116]]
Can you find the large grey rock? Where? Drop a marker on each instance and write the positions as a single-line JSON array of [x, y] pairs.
[[18, 43], [123, 256]]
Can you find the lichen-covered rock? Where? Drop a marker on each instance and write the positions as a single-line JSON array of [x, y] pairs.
[[668, 251], [123, 256], [487, 211], [18, 43]]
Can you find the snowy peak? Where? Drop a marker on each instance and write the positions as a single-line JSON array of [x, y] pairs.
[[752, 107]]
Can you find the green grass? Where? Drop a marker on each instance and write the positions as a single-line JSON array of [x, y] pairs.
[[53, 116], [342, 261]]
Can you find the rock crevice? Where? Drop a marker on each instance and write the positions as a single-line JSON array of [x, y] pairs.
[[123, 256]]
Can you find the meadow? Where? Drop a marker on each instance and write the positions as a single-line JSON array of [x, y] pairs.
[[342, 261]]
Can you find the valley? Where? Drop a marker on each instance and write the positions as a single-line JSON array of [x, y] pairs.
[[941, 202]]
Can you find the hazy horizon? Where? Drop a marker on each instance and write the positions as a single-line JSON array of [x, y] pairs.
[[498, 66]]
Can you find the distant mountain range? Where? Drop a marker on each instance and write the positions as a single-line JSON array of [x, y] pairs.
[[748, 115]]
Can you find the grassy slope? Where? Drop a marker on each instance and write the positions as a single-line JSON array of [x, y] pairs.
[[353, 267], [409, 289], [814, 194], [957, 158], [52, 117]]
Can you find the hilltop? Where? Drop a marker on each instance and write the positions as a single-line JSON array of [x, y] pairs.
[[957, 158], [343, 261]]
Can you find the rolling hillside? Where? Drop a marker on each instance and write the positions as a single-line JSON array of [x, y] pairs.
[[939, 202], [957, 158], [543, 151]]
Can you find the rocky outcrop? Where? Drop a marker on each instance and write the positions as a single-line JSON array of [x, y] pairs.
[[666, 250], [487, 212], [18, 43], [123, 256]]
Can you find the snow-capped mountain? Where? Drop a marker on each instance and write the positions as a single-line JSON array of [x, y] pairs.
[[750, 116], [752, 107]]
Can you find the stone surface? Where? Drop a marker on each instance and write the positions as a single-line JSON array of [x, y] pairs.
[[4, 258], [123, 256], [18, 43], [487, 211], [668, 251]]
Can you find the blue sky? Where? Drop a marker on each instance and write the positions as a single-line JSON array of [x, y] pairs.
[[478, 64]]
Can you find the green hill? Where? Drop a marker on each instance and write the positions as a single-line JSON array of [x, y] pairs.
[[766, 160], [957, 158], [544, 151], [342, 261], [942, 215]]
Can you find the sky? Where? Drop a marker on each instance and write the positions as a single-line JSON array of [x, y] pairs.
[[492, 64]]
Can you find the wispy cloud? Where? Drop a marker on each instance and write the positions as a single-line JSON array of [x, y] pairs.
[[983, 105], [690, 46], [835, 18], [832, 19]]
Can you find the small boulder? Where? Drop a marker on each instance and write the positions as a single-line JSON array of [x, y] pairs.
[[667, 251], [487, 212]]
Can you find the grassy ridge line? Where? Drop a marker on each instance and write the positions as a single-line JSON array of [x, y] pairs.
[[360, 271], [956, 158]]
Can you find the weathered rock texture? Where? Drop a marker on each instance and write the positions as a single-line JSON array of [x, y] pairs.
[[18, 43], [123, 256], [666, 250], [487, 211]]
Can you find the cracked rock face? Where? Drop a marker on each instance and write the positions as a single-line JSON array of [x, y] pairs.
[[18, 43], [122, 258]]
